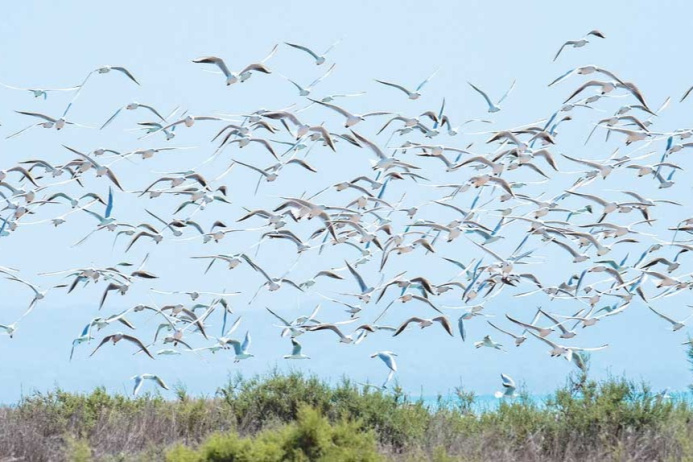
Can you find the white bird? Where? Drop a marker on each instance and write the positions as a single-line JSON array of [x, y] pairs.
[[351, 119], [487, 341], [244, 74], [241, 349], [519, 339], [41, 92], [493, 107], [561, 350], [423, 323], [319, 58], [388, 357], [132, 107], [412, 94], [508, 387], [139, 381], [366, 291], [675, 325], [334, 328], [579, 43], [115, 338], [296, 351], [305, 91], [107, 69]]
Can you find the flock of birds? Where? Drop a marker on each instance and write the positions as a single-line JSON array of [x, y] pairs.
[[378, 217]]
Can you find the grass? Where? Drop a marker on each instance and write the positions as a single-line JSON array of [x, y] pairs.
[[299, 417]]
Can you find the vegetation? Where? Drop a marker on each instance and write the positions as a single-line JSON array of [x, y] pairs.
[[301, 418]]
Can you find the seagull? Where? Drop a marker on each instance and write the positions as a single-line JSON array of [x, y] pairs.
[[351, 119], [491, 106], [519, 339], [85, 336], [580, 42], [115, 338], [243, 75], [132, 107], [49, 122], [366, 291], [585, 70], [296, 351], [508, 387], [41, 92], [139, 381], [488, 342], [107, 69], [305, 91], [188, 121], [388, 357], [560, 350], [423, 323], [415, 94], [334, 328], [675, 325], [241, 349], [319, 59], [543, 331]]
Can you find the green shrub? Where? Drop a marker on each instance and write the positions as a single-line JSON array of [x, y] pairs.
[[311, 438]]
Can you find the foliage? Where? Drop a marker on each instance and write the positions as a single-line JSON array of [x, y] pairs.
[[312, 437], [299, 417]]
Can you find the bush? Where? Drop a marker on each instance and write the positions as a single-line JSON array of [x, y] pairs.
[[311, 438], [299, 417]]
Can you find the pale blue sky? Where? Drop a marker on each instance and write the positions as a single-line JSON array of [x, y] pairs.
[[488, 43]]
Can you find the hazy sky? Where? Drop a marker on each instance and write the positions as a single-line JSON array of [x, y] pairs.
[[488, 43]]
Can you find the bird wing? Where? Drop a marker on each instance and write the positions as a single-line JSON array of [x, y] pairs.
[[394, 85], [110, 119], [126, 72], [137, 342], [302, 48], [445, 322], [406, 323], [488, 100], [36, 114], [296, 350], [284, 321], [505, 95], [563, 77], [216, 61], [105, 340], [359, 279]]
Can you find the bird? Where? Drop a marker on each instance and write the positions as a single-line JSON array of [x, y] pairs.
[[307, 90], [519, 339], [444, 322], [319, 58], [351, 118], [579, 43], [412, 94], [509, 387], [487, 341], [296, 351], [387, 357], [493, 107], [675, 325], [139, 381], [334, 328], [131, 107], [117, 337], [42, 92], [244, 74], [241, 349]]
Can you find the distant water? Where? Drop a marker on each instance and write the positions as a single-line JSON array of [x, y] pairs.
[[489, 402]]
